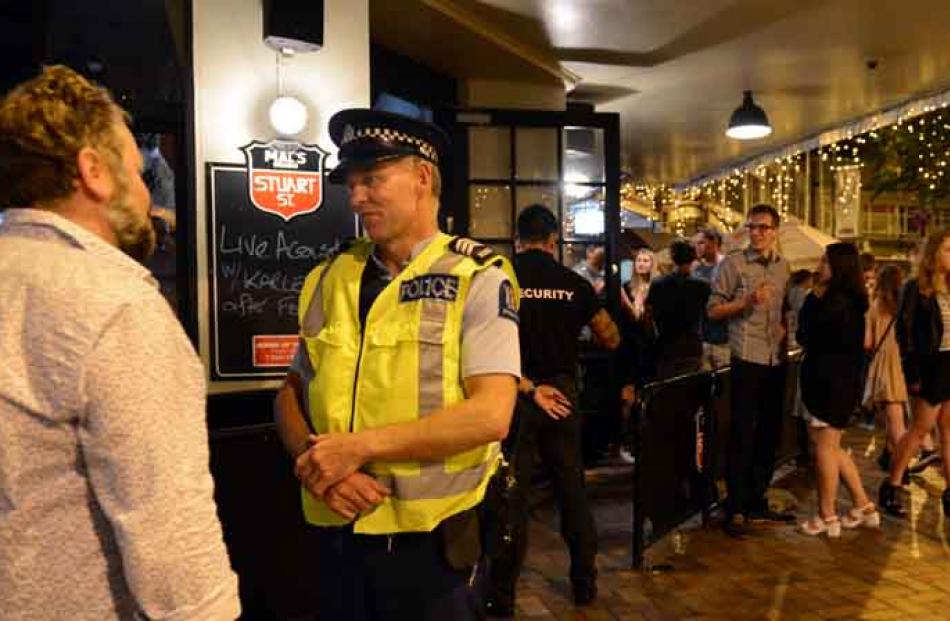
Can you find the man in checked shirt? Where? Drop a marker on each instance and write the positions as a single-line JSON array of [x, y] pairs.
[[748, 292]]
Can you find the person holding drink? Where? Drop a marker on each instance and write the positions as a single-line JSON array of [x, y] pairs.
[[748, 292]]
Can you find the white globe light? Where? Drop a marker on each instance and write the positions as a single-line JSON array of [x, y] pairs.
[[288, 115]]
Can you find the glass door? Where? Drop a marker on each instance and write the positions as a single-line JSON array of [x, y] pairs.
[[506, 160]]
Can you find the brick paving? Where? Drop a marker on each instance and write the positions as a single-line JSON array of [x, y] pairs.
[[901, 571]]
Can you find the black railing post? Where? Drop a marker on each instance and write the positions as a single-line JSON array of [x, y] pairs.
[[708, 426], [638, 413]]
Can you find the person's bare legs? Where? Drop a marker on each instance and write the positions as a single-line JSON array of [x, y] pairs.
[[943, 423], [925, 418], [628, 399], [928, 444], [827, 461], [894, 421], [851, 478]]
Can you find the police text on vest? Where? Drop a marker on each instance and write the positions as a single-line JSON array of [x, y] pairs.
[[433, 286]]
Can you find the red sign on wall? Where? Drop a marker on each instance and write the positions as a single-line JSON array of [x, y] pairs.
[[274, 350], [285, 178]]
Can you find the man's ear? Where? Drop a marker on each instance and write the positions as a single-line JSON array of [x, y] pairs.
[[424, 172], [95, 176]]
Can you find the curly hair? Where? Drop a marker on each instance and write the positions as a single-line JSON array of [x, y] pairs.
[[44, 123], [927, 277]]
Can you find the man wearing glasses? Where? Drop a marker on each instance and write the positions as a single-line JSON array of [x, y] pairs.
[[748, 292]]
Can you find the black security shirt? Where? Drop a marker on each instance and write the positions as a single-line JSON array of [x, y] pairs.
[[555, 304]]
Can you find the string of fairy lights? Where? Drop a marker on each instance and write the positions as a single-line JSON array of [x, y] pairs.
[[904, 150]]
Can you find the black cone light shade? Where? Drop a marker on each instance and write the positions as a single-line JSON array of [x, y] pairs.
[[749, 121]]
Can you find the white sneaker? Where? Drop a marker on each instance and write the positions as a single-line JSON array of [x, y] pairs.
[[866, 516], [626, 456]]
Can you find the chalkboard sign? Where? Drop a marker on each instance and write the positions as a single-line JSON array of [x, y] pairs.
[[258, 262]]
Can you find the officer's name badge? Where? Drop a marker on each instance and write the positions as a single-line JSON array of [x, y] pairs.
[[432, 286]]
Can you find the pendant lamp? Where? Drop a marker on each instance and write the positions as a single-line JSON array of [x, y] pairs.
[[749, 121]]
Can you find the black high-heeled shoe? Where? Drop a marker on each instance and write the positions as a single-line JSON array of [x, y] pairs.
[[887, 500]]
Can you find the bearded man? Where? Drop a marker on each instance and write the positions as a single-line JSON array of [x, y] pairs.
[[106, 505]]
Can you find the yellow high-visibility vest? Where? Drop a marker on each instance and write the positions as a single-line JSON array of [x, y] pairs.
[[403, 365]]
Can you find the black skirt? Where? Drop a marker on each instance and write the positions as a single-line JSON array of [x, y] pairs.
[[831, 386], [935, 377]]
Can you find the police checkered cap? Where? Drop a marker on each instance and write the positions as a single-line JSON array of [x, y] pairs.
[[369, 136], [389, 135]]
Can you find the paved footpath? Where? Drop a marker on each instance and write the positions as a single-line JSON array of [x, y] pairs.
[[899, 572]]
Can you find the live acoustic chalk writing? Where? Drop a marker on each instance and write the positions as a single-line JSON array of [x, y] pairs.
[[258, 263]]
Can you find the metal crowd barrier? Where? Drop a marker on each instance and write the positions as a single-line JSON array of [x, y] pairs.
[[674, 479]]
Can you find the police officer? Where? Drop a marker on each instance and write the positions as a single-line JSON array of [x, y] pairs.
[[407, 372], [556, 303]]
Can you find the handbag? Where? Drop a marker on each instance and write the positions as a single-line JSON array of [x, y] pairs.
[[873, 377]]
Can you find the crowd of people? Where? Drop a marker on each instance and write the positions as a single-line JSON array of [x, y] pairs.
[[423, 360], [874, 347]]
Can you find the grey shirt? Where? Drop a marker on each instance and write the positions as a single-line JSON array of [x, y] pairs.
[[704, 271], [594, 277], [489, 339], [714, 332], [106, 500], [754, 335]]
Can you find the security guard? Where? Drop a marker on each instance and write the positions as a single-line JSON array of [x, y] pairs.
[[407, 372], [555, 304]]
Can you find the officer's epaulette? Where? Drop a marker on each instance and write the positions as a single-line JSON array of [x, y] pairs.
[[471, 248]]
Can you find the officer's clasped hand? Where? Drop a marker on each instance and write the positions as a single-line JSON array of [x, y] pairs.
[[357, 493], [331, 458]]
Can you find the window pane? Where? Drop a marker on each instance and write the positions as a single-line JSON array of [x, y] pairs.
[[536, 153], [583, 212], [489, 153], [489, 211], [583, 155], [530, 194], [158, 174]]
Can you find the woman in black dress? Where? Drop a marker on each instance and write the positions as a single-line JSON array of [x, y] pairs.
[[923, 332], [831, 330]]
